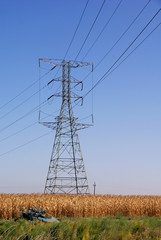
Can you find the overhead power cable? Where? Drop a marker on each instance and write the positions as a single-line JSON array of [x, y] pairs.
[[70, 44], [23, 145], [110, 70], [26, 100], [105, 74], [102, 78], [31, 141], [126, 30], [22, 117], [23, 129], [76, 28], [133, 50], [25, 115], [25, 89], [103, 29], [123, 34], [90, 29], [28, 113]]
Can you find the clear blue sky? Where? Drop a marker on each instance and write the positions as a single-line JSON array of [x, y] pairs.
[[122, 152]]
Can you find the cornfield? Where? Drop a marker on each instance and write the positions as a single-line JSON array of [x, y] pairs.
[[75, 206]]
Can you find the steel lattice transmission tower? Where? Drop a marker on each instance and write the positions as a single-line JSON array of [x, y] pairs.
[[66, 172]]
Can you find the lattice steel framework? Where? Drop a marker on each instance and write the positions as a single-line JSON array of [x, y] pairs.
[[66, 172]]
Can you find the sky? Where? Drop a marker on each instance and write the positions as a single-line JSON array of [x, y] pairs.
[[121, 152]]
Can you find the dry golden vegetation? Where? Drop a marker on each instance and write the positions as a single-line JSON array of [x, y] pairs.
[[80, 206]]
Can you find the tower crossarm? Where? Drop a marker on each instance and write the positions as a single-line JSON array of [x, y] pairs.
[[81, 126], [60, 95], [59, 79], [51, 125], [60, 63]]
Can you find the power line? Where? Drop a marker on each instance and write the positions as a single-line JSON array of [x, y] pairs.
[[126, 30], [88, 32], [25, 115], [125, 51], [39, 99], [107, 72], [28, 113], [74, 34], [33, 140], [26, 100], [22, 117], [24, 90], [133, 50], [31, 125], [117, 7], [76, 28], [25, 128], [91, 29], [20, 146], [104, 76], [123, 33]]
